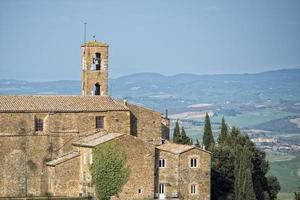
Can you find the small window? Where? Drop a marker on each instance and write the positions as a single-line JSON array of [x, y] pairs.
[[193, 189], [193, 162], [97, 89], [161, 163], [161, 188], [99, 122], [140, 191], [39, 124]]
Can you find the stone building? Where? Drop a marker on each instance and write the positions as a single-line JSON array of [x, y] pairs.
[[46, 143]]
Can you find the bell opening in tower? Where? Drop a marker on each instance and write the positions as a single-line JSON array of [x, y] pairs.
[[97, 61], [97, 89]]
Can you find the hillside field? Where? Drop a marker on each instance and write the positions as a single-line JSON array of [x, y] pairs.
[[288, 173]]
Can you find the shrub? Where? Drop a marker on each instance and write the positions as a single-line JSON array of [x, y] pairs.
[[109, 173]]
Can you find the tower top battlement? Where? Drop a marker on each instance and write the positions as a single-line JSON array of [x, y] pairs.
[[94, 43]]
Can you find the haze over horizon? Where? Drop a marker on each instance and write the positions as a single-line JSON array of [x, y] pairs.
[[40, 40]]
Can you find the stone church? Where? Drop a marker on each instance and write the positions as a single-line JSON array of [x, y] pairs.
[[46, 143]]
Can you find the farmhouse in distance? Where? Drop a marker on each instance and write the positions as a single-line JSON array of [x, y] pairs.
[[46, 143]]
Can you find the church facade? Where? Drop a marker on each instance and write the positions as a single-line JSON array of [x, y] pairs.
[[46, 143]]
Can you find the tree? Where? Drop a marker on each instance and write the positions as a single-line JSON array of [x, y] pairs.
[[223, 172], [297, 195], [224, 164], [184, 138], [176, 133], [224, 132], [274, 187], [208, 139], [243, 185], [235, 132], [108, 170]]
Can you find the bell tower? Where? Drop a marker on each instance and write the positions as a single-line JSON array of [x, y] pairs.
[[94, 80]]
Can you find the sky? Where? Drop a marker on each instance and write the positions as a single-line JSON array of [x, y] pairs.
[[40, 40]]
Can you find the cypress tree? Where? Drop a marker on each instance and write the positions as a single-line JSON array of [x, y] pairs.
[[228, 181], [184, 138], [297, 195], [176, 133], [243, 184], [235, 132], [208, 139], [224, 132]]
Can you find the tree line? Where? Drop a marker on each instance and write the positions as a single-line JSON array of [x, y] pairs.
[[239, 168]]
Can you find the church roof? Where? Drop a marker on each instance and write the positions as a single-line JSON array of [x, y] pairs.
[[94, 43], [96, 139], [177, 148], [59, 104]]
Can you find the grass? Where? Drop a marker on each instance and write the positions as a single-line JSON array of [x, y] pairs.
[[251, 118], [286, 196], [288, 174]]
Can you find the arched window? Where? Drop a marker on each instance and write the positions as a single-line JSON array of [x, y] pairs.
[[97, 89], [97, 61]]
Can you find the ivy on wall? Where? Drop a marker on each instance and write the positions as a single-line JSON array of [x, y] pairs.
[[109, 172]]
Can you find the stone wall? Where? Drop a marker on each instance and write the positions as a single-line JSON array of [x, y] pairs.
[[140, 161], [177, 175], [168, 175], [22, 166], [200, 176], [146, 124], [24, 151], [63, 123], [86, 158], [64, 178]]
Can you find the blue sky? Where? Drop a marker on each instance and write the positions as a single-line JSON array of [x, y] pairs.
[[40, 40]]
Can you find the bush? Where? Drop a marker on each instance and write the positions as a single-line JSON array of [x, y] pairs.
[[109, 173]]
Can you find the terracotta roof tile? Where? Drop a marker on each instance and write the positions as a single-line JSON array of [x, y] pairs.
[[59, 104]]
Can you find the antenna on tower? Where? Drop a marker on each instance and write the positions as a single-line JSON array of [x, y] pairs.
[[84, 32]]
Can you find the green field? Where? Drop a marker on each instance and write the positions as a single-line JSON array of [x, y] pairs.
[[251, 118], [286, 196], [288, 174], [279, 157]]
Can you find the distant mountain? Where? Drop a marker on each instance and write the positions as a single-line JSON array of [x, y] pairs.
[[186, 89], [16, 87], [225, 91]]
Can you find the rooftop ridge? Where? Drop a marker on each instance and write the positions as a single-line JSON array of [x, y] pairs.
[[59, 103], [62, 158]]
